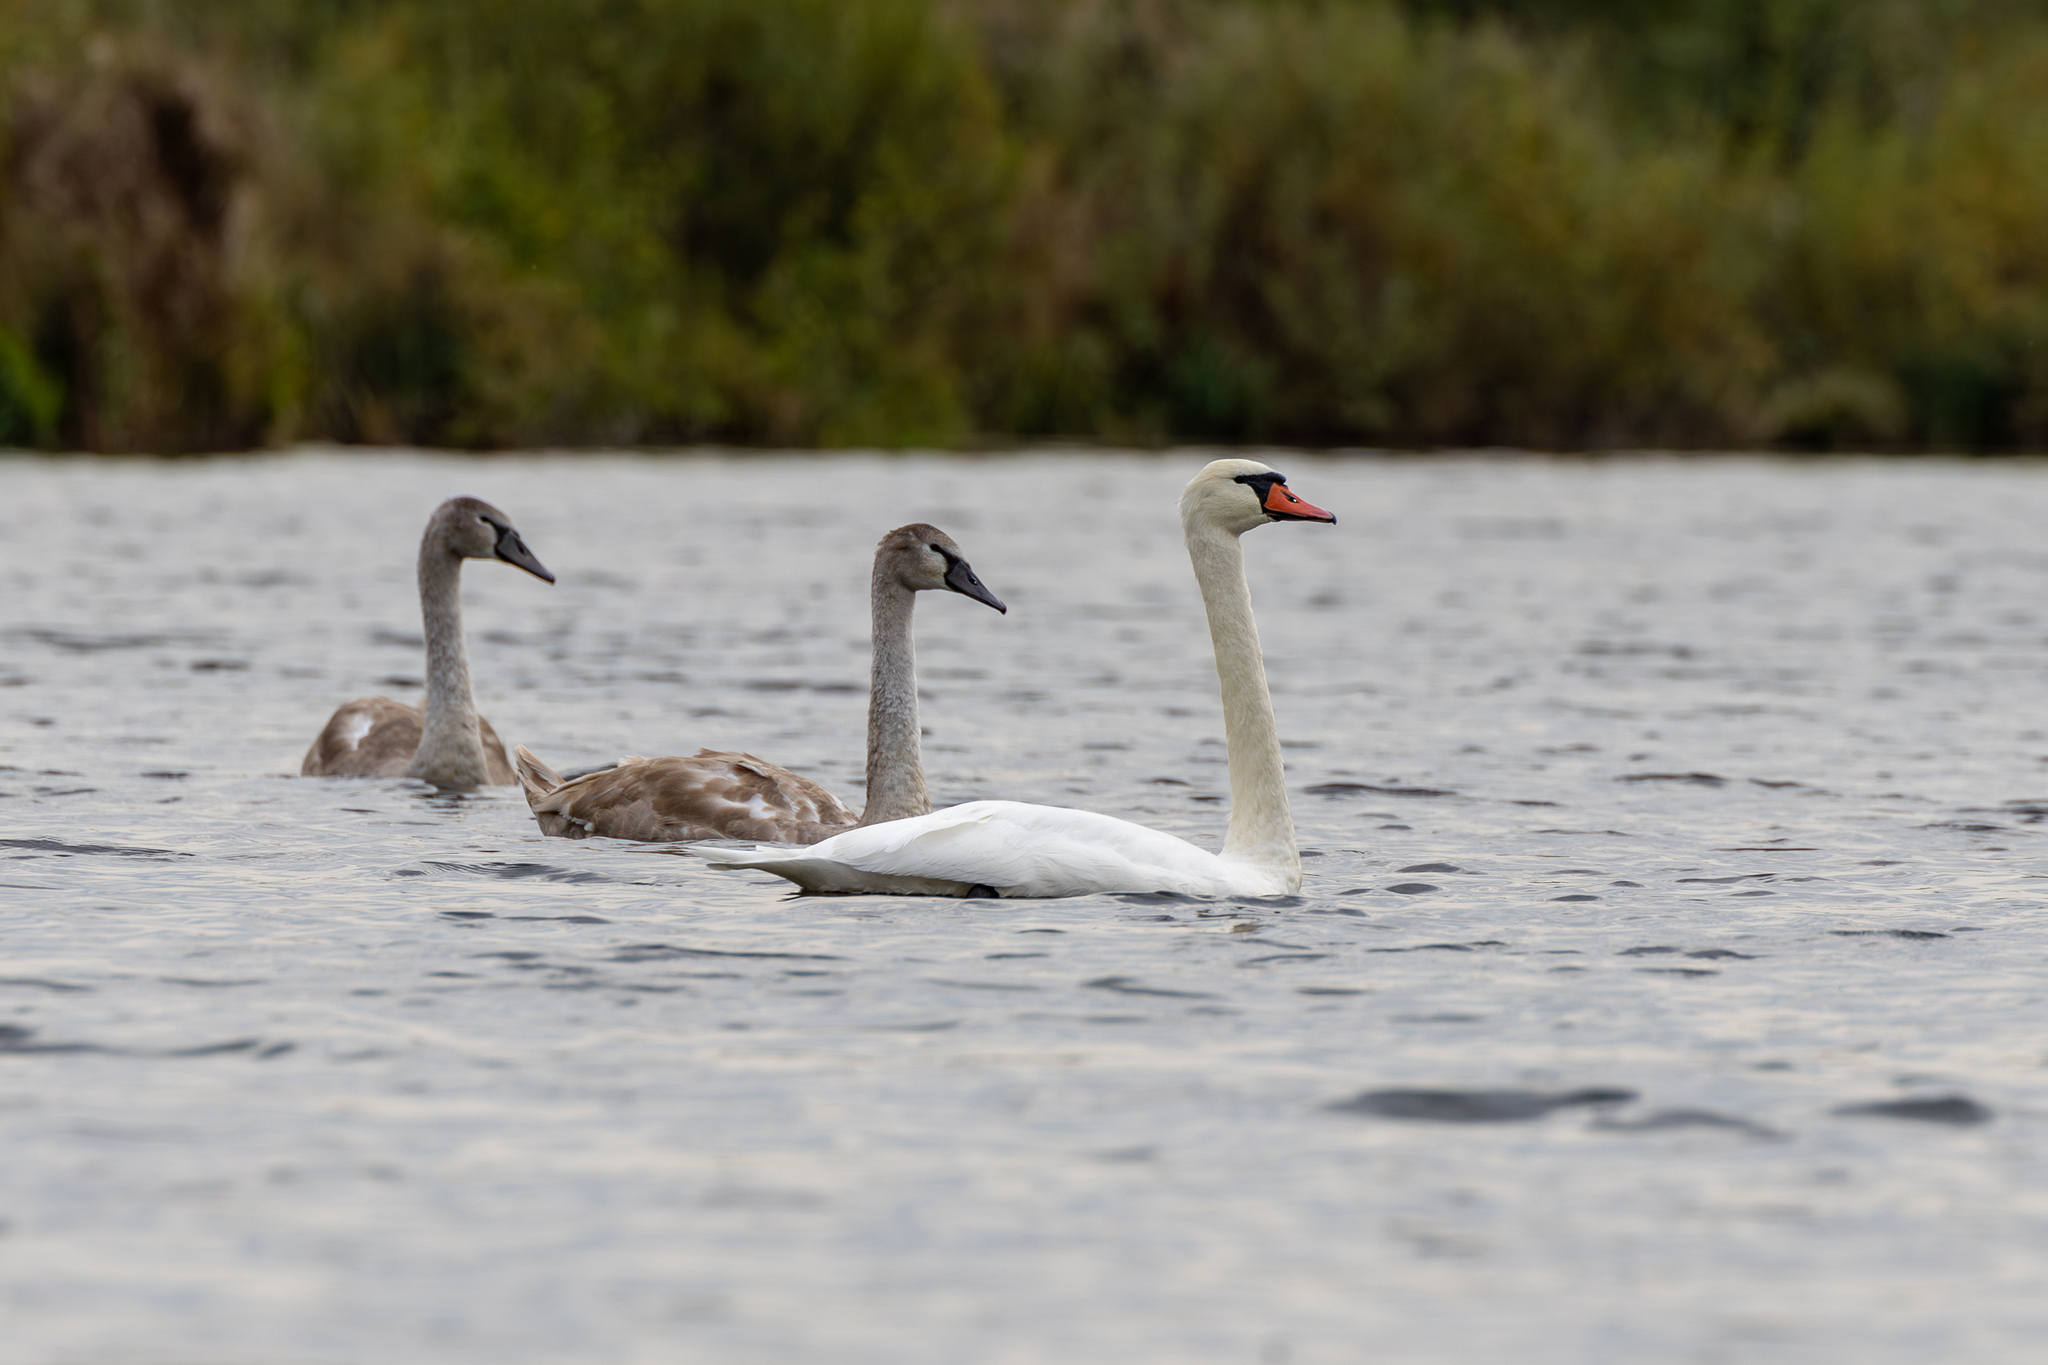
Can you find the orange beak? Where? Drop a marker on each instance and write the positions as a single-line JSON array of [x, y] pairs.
[[1281, 503]]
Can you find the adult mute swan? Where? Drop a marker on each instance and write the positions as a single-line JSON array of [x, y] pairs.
[[716, 795], [1008, 848], [447, 744]]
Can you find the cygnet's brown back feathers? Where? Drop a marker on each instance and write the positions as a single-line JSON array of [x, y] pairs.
[[377, 737], [713, 795]]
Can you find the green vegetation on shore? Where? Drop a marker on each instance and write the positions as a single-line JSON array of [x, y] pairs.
[[1549, 223]]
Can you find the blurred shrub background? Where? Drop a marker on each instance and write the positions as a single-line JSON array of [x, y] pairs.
[[1549, 223]]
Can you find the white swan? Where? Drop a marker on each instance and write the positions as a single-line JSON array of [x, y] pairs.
[[447, 744], [1008, 848], [716, 795]]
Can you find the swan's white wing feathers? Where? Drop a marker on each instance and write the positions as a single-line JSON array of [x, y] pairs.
[[1026, 850], [1019, 849]]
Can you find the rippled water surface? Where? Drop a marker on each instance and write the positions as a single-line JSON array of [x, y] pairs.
[[1667, 983]]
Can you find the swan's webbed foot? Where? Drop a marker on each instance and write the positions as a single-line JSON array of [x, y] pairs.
[[981, 891]]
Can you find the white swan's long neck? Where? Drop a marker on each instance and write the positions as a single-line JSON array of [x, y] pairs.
[[1261, 826], [896, 789], [451, 752]]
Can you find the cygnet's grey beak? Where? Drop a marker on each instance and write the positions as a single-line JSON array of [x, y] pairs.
[[960, 578], [513, 550]]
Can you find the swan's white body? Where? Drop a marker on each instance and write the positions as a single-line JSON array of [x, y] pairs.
[[1020, 850], [1016, 850]]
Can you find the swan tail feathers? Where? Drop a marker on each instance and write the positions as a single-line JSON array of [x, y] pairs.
[[536, 778], [727, 856], [826, 876], [548, 797]]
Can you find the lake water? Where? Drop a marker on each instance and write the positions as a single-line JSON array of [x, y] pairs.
[[1667, 984]]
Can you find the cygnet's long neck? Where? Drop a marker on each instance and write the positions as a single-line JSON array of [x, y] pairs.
[[451, 752], [896, 789], [1261, 826]]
